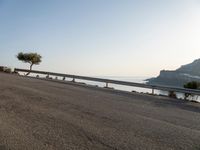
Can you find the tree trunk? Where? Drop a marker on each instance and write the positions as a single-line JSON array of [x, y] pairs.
[[30, 70]]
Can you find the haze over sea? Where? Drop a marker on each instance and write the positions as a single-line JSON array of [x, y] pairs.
[[136, 79]]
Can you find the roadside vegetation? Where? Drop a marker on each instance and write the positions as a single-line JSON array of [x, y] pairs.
[[191, 85], [172, 94], [5, 69], [31, 58]]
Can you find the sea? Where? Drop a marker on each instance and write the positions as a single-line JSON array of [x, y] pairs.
[[122, 87], [135, 79], [135, 89]]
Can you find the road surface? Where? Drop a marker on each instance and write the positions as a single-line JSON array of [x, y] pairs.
[[43, 115]]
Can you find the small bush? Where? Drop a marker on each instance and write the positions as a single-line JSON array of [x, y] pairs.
[[2, 68], [172, 94], [187, 95], [191, 97], [8, 70], [192, 85], [5, 69]]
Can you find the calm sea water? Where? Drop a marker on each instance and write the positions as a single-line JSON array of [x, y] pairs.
[[115, 86], [129, 79], [127, 88], [136, 89]]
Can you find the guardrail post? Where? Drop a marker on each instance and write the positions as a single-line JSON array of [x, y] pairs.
[[106, 81], [47, 76], [153, 91], [106, 84], [73, 80]]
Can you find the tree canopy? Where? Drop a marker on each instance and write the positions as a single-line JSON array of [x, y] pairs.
[[31, 58]]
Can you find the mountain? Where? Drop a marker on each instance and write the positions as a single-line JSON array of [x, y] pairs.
[[192, 68], [178, 77]]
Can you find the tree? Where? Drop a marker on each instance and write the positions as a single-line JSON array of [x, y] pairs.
[[31, 58]]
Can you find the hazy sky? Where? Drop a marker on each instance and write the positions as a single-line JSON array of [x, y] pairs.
[[101, 37]]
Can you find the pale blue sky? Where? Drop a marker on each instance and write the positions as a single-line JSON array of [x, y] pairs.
[[101, 37]]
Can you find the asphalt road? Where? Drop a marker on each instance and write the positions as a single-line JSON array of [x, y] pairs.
[[43, 115]]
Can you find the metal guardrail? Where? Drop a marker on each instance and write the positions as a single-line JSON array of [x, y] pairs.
[[107, 81]]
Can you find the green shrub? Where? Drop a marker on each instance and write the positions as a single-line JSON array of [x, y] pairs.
[[192, 85]]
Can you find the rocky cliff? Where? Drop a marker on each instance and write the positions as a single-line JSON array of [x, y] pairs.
[[178, 77]]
